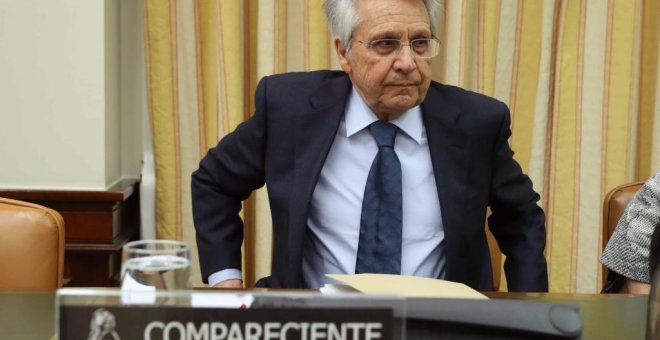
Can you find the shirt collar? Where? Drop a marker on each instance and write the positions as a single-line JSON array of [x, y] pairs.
[[359, 116]]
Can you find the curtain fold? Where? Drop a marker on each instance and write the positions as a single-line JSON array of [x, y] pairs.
[[580, 77]]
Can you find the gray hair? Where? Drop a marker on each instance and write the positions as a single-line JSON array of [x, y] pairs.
[[343, 17]]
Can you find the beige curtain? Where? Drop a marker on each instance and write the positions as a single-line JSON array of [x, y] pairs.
[[580, 76]]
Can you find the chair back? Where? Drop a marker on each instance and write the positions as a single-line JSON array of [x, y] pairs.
[[614, 204], [31, 246], [495, 260]]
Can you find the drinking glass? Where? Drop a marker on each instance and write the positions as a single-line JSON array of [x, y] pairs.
[[155, 265]]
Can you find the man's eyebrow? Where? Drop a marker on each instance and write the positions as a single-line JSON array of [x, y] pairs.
[[421, 35], [397, 34], [422, 32], [388, 34]]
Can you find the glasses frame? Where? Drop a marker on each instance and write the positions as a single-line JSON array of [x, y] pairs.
[[432, 40]]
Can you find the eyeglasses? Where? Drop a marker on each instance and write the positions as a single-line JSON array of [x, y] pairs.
[[424, 48]]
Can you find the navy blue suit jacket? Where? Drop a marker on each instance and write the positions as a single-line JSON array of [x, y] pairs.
[[285, 143]]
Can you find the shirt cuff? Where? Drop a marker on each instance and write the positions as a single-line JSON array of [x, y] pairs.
[[223, 275]]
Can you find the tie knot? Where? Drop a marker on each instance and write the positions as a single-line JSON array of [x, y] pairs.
[[383, 132]]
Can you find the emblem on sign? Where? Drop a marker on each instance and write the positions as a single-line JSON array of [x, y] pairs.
[[102, 326]]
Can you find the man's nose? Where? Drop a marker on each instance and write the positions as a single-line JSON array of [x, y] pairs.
[[405, 60]]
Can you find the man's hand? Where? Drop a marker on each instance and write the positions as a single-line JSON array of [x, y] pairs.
[[231, 284]]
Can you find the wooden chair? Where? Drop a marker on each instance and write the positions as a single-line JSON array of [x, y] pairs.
[[614, 204], [495, 259], [31, 246]]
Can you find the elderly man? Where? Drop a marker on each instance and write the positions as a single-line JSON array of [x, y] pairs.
[[376, 169]]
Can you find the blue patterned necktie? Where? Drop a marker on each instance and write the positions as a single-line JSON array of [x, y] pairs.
[[379, 249]]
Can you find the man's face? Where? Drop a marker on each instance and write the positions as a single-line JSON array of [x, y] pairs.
[[393, 84]]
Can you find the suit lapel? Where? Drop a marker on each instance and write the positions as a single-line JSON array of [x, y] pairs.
[[448, 145], [315, 132]]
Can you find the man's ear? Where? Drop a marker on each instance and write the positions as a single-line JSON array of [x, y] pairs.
[[342, 56]]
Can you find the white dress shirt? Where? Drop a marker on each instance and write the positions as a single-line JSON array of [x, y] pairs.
[[334, 216]]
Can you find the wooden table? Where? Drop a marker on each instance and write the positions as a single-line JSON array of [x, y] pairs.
[[604, 316], [31, 315]]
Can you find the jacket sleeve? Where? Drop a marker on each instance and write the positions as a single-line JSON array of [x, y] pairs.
[[226, 176], [517, 221]]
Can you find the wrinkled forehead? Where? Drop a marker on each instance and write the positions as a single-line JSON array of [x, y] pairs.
[[392, 18]]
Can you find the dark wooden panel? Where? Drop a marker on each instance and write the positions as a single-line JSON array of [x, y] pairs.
[[92, 270], [86, 225], [97, 225]]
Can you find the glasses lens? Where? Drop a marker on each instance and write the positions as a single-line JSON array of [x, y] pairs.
[[422, 48], [385, 47], [425, 48]]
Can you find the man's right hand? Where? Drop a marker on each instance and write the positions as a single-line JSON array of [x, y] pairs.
[[230, 284]]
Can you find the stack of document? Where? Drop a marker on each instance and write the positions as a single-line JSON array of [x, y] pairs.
[[408, 286]]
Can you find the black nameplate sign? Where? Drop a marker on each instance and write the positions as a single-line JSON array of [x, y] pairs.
[[174, 323]]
